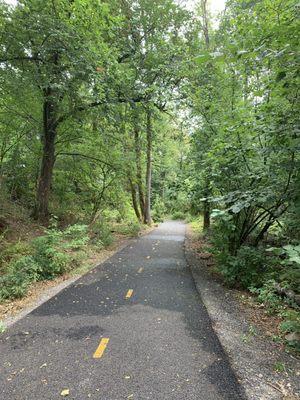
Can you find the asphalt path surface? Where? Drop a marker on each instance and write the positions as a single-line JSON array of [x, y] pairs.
[[132, 328]]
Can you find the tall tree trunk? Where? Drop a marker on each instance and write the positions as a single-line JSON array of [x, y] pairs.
[[148, 218], [205, 22], [48, 159], [134, 200], [137, 143], [205, 26]]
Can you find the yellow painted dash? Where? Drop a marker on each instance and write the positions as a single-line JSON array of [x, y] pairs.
[[129, 294], [100, 349], [140, 270]]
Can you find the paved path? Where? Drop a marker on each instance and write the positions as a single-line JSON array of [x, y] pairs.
[[157, 343]]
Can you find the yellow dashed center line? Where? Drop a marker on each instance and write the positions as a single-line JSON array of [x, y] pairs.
[[100, 349], [140, 270], [129, 294]]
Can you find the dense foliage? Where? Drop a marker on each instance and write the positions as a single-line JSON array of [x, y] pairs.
[[83, 88], [244, 99]]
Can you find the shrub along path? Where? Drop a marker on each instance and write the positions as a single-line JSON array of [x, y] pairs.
[[132, 328]]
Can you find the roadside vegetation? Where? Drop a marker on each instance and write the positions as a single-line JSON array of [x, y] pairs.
[[118, 114], [246, 156], [45, 253], [270, 306]]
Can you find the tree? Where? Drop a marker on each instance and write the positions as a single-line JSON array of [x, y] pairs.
[[155, 34], [62, 62], [252, 132]]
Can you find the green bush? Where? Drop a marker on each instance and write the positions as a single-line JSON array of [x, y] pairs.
[[26, 265], [178, 215], [21, 274], [101, 234], [75, 236], [275, 304], [130, 228], [291, 325], [13, 251], [291, 321], [290, 277], [51, 261], [267, 295], [159, 209], [50, 250], [223, 235], [289, 259], [13, 286], [50, 256], [248, 268]]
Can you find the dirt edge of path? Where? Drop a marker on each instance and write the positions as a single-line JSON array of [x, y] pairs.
[[252, 356]]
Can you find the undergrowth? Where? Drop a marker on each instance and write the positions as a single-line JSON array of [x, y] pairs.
[[272, 274], [54, 253], [48, 256]]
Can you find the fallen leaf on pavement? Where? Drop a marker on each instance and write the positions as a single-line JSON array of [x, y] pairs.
[[65, 392]]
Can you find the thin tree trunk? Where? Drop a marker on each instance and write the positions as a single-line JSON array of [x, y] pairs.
[[48, 159], [205, 22], [148, 218], [134, 200], [206, 205], [141, 195]]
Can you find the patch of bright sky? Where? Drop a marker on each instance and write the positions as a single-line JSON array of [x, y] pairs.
[[12, 2], [215, 5]]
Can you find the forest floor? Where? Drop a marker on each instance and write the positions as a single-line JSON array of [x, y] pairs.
[[265, 369]]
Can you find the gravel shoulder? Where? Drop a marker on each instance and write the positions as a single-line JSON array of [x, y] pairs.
[[252, 355]]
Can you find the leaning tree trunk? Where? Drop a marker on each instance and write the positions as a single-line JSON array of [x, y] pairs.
[[147, 214], [48, 159], [134, 200]]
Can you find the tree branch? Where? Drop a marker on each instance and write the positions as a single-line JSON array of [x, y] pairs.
[[20, 58], [88, 157]]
